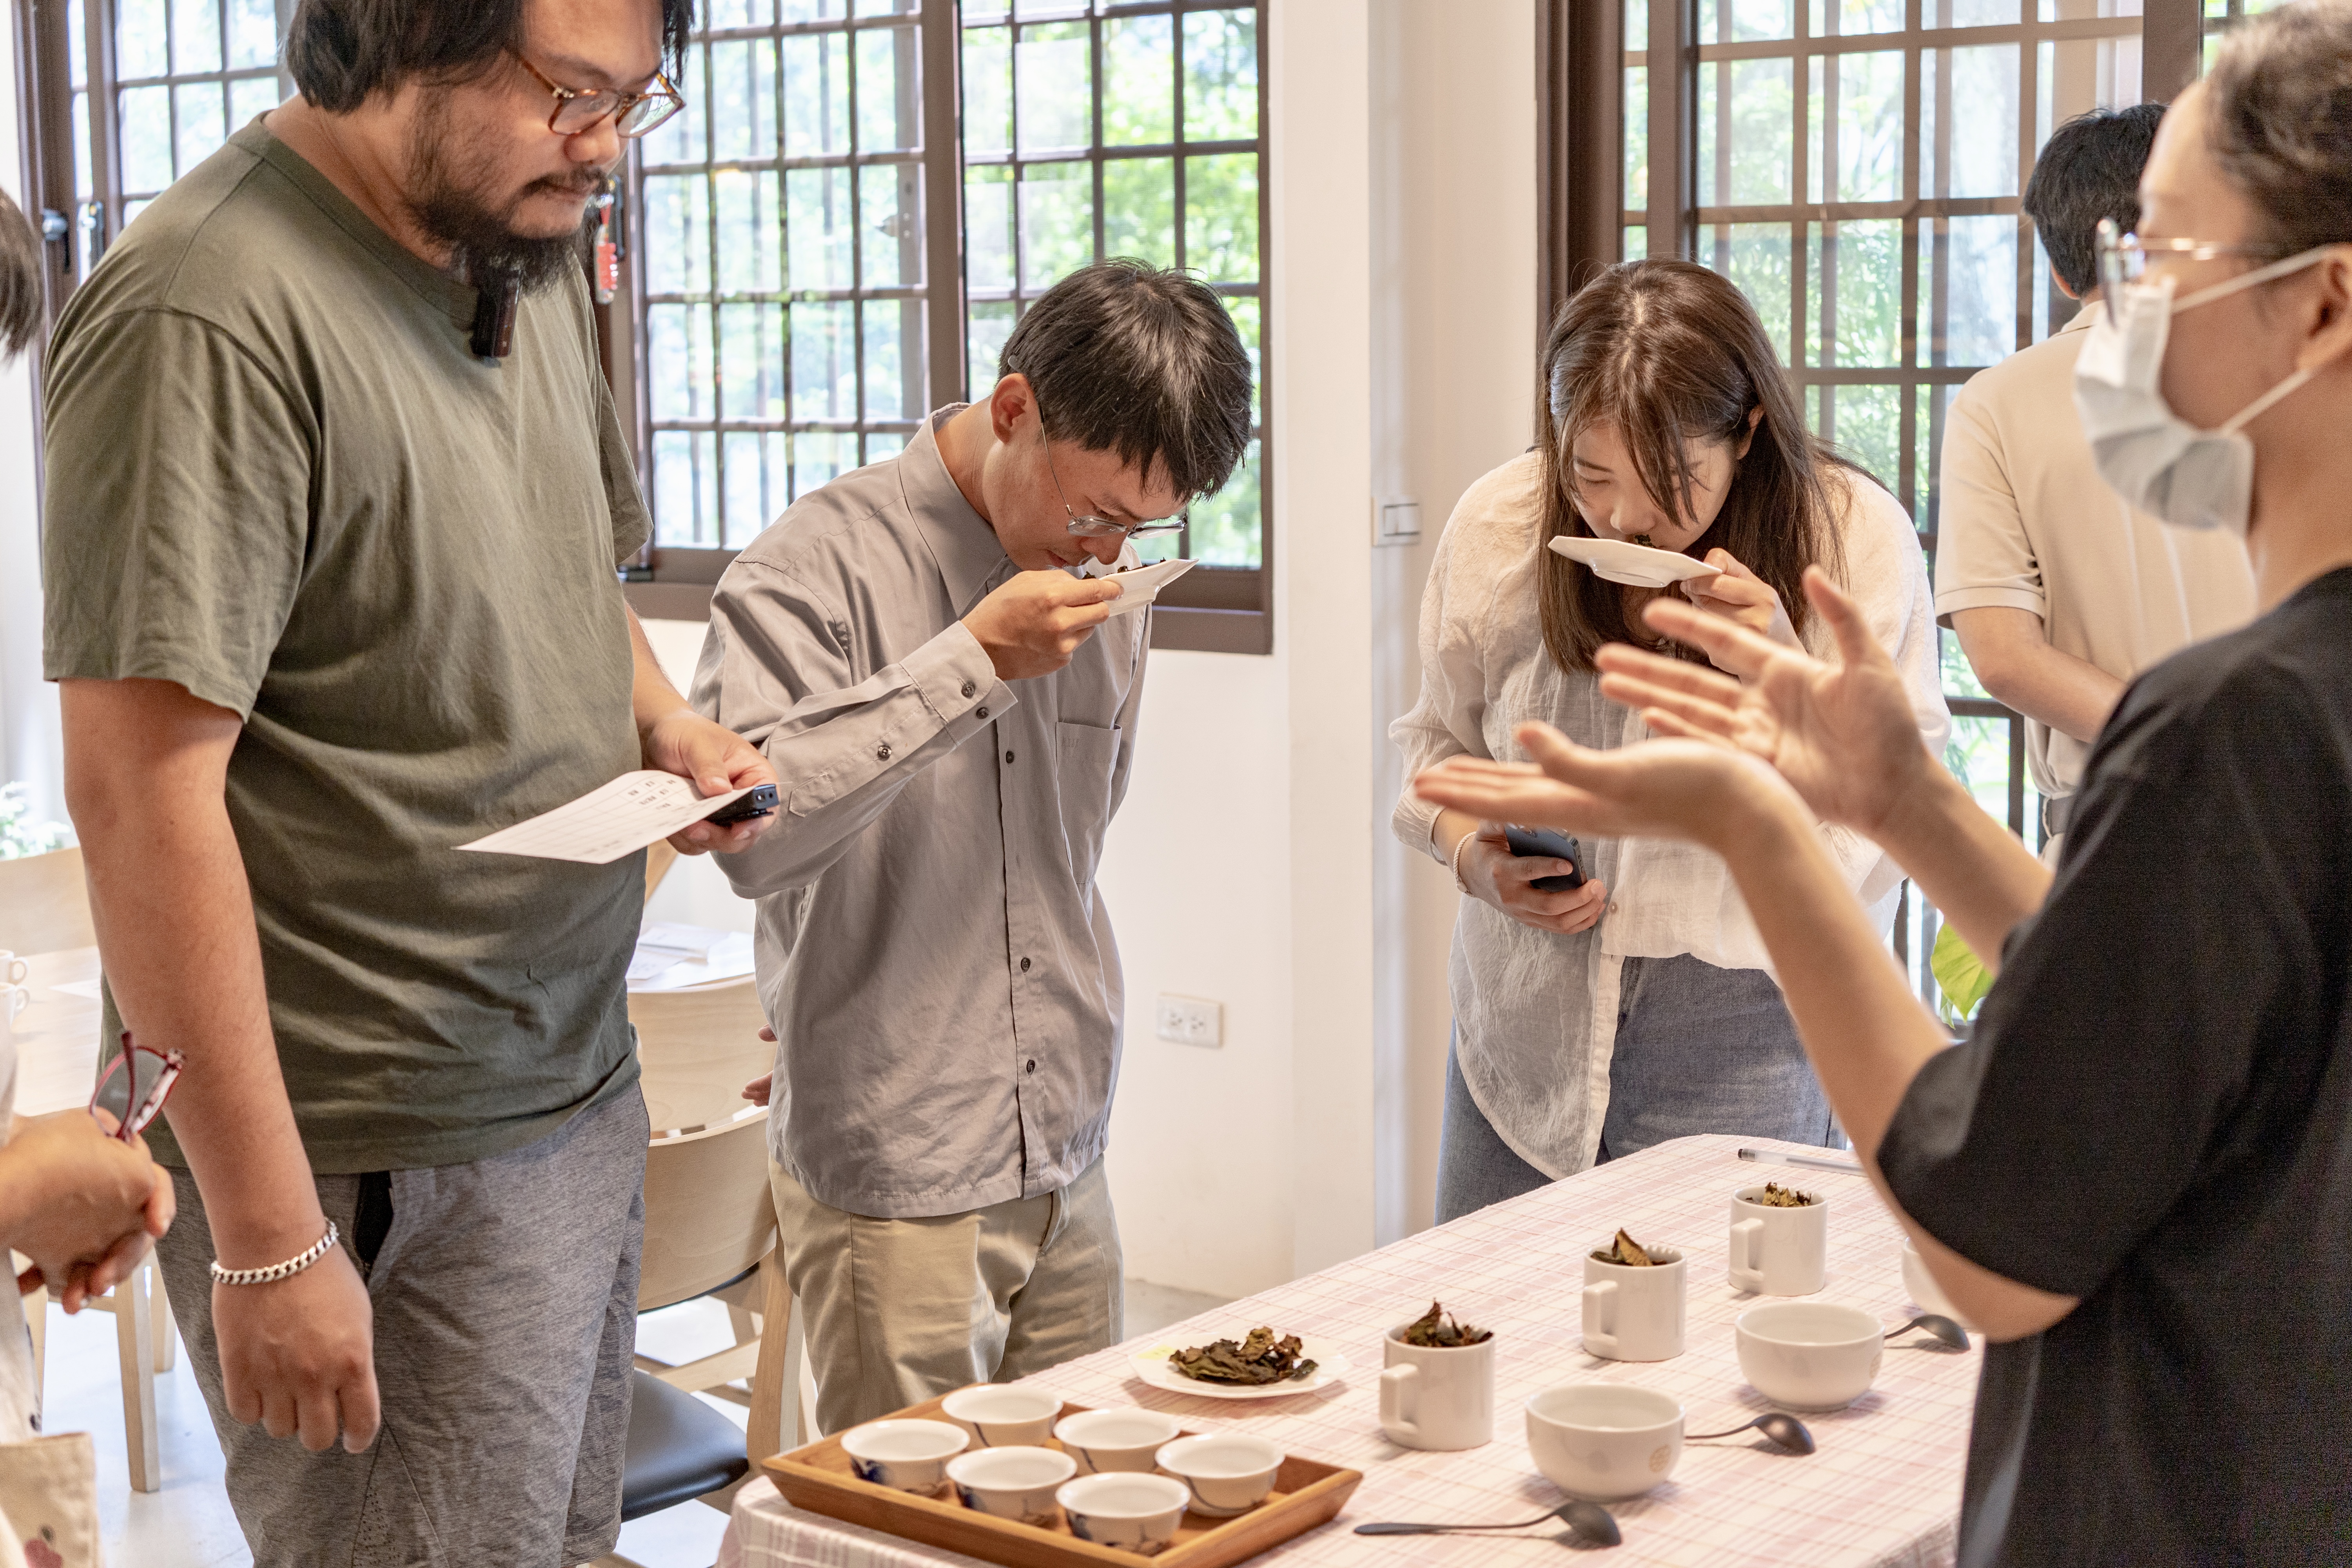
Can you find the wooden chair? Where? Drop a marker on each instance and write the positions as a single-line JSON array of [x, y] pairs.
[[145, 1346], [45, 903]]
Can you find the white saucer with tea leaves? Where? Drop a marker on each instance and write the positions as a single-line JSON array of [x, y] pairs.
[[1152, 1365], [1637, 566]]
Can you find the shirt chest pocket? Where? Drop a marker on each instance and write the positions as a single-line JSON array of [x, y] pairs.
[[1085, 756]]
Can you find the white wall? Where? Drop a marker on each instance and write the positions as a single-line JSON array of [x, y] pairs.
[[29, 746]]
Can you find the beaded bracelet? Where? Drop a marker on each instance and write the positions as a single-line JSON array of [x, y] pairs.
[[277, 1271], [1455, 862]]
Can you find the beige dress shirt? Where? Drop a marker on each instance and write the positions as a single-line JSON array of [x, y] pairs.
[[2028, 525], [932, 953]]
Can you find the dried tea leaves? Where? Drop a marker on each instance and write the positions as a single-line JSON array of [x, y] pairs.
[[1258, 1360], [1627, 1251], [1435, 1330], [1776, 1197]]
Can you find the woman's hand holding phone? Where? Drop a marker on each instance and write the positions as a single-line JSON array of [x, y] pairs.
[[1495, 876]]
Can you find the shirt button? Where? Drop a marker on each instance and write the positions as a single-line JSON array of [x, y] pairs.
[[1024, 966], [1612, 906], [882, 752], [969, 686], [1033, 1064], [1008, 756], [983, 712]]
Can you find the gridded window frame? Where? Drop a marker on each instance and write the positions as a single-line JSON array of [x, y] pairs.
[[1213, 608], [690, 568], [1585, 209]]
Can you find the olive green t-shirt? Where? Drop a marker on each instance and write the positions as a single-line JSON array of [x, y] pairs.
[[276, 475]]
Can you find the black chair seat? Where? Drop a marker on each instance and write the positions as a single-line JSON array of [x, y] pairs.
[[679, 1449]]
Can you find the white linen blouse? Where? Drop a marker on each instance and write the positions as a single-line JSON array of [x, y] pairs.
[[1536, 1012]]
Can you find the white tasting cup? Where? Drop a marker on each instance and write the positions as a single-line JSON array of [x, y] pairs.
[[1779, 1251], [1435, 1396], [1632, 1313], [910, 1455], [1809, 1356], [1226, 1472], [1108, 1441], [1004, 1415], [1124, 1510], [1011, 1483]]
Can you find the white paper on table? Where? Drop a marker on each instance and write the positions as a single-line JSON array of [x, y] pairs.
[[85, 989], [662, 945], [1138, 587], [730, 960], [607, 823]]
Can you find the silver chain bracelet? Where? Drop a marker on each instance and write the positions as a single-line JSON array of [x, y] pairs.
[[277, 1271]]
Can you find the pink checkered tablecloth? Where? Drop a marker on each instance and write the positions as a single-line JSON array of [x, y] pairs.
[[1884, 1487]]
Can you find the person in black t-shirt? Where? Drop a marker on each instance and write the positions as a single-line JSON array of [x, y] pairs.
[[2137, 1174]]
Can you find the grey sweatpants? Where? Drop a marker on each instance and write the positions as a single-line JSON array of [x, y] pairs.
[[505, 1297]]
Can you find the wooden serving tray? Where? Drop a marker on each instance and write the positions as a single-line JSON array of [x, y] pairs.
[[819, 1478]]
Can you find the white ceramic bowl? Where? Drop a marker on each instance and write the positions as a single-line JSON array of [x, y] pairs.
[[1809, 1356], [1002, 1416], [1227, 1472], [911, 1455], [1926, 1291], [1127, 1511], [1104, 1441], [1011, 1483], [1604, 1442]]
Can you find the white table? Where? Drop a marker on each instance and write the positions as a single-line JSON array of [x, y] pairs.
[[1884, 1489], [57, 1034]]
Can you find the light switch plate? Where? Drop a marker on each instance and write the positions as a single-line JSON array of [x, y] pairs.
[[1396, 522], [1191, 1021]]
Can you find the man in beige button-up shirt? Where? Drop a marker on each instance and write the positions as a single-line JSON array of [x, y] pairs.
[[952, 716], [2060, 591]]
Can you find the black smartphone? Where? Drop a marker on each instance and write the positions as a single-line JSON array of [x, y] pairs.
[[760, 802], [1551, 844]]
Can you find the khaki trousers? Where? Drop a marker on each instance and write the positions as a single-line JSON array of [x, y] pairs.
[[901, 1311]]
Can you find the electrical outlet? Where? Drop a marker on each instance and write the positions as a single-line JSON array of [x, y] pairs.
[[1192, 1021]]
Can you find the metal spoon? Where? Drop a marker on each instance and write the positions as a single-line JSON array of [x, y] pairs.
[[1954, 1336], [1589, 1520], [1785, 1430]]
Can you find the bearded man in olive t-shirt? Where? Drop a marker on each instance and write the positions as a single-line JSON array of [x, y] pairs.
[[335, 495]]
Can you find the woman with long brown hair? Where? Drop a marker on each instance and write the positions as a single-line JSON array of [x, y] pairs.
[[1593, 1022]]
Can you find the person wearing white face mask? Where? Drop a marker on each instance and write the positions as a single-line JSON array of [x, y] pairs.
[[2136, 1175], [2059, 591]]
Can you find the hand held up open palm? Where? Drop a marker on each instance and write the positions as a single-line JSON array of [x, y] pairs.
[[1843, 735]]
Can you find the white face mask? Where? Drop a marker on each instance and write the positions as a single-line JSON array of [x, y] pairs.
[[2156, 460]]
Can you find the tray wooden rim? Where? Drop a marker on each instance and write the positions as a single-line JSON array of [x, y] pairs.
[[950, 1527]]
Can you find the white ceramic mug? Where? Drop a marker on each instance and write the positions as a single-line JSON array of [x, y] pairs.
[[1632, 1313], [1435, 1396], [13, 969], [1779, 1251], [1604, 1442]]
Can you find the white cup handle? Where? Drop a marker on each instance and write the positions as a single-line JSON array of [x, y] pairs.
[[15, 972], [1747, 1241], [1400, 1400], [1601, 1318]]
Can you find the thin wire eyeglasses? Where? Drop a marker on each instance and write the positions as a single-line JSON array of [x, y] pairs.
[[2124, 258], [134, 1087], [584, 108], [1090, 527]]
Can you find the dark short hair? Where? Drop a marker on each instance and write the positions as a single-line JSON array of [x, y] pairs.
[[340, 52], [20, 280], [2282, 120], [1142, 361], [2089, 169]]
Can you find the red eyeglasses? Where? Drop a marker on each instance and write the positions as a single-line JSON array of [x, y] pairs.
[[134, 1085]]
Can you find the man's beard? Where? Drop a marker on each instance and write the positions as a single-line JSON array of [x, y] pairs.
[[445, 198]]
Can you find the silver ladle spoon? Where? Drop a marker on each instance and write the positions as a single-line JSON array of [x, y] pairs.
[[1785, 1430], [1589, 1520], [1953, 1336]]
